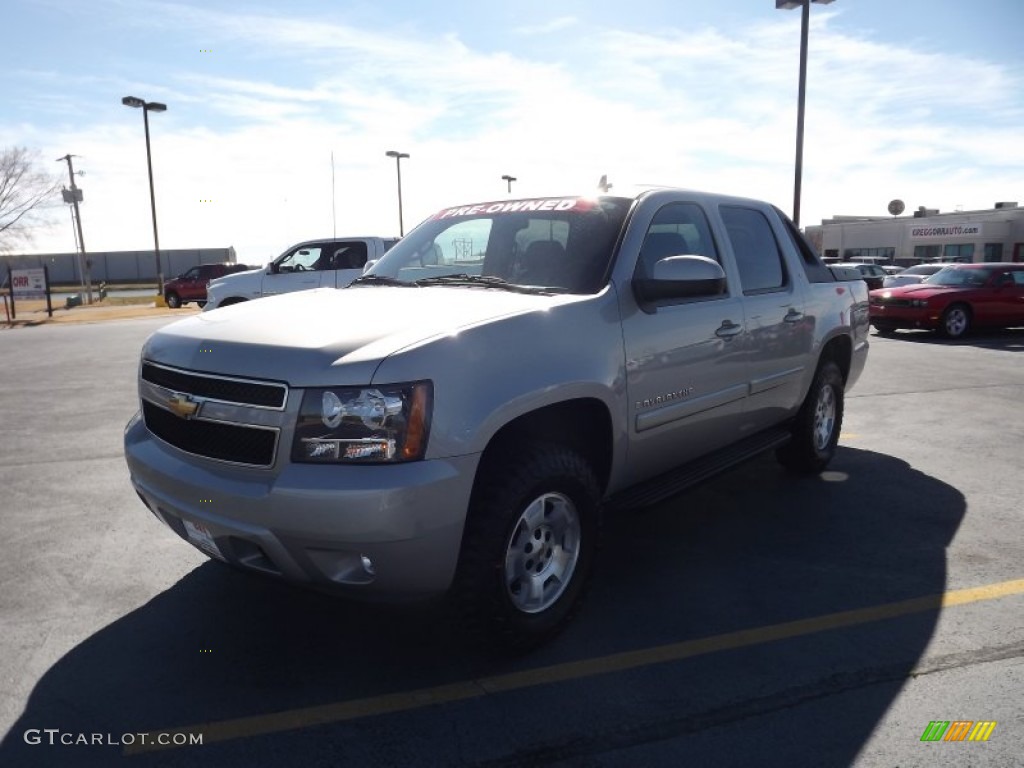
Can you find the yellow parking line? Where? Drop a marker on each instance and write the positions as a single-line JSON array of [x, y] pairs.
[[404, 701]]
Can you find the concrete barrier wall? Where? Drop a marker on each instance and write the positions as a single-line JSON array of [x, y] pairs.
[[118, 266]]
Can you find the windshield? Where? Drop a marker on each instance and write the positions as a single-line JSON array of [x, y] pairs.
[[558, 244], [959, 276]]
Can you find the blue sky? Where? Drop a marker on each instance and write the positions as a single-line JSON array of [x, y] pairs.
[[918, 100]]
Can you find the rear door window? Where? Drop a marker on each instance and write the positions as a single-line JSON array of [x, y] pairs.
[[756, 250]]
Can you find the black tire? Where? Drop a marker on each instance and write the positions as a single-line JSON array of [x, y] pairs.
[[817, 425], [956, 321], [172, 299], [200, 304], [541, 500]]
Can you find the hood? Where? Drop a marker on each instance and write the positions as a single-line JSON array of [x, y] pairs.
[[918, 290], [246, 274], [329, 336]]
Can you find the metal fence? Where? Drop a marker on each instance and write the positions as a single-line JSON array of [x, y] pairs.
[[119, 266]]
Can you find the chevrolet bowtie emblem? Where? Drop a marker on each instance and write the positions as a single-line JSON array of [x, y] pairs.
[[182, 406]]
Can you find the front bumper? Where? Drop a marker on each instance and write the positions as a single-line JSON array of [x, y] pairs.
[[313, 524], [883, 316]]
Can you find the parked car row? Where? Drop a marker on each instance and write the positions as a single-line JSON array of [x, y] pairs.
[[191, 285], [330, 262], [953, 300], [872, 274], [912, 275]]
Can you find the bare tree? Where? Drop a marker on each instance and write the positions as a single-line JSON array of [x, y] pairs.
[[25, 192]]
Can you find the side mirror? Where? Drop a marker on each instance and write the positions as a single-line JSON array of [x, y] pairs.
[[681, 277], [272, 268], [367, 265]]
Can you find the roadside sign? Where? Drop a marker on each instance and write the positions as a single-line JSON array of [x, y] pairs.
[[28, 283]]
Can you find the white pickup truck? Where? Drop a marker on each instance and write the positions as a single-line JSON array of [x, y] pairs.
[[327, 263], [456, 420]]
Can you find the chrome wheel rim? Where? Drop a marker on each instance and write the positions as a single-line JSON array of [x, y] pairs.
[[542, 553], [956, 322], [824, 417]]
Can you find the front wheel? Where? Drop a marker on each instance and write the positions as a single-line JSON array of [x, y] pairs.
[[528, 545], [817, 425], [173, 300], [956, 321]]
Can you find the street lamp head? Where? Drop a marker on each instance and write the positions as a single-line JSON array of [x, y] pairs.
[[152, 106], [788, 5], [506, 177], [397, 155]]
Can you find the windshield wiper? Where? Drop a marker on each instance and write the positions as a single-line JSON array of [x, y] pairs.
[[381, 280], [482, 281]]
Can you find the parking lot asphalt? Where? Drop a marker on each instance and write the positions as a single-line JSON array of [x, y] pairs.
[[759, 619]]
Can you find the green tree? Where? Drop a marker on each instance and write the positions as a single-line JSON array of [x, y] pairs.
[[26, 192]]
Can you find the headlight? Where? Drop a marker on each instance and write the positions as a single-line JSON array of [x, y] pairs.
[[363, 424]]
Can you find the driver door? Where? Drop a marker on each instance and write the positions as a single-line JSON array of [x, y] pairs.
[[300, 269]]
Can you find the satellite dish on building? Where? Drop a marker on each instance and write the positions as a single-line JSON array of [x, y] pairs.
[[896, 207]]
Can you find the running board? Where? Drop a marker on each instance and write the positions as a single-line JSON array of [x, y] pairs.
[[677, 480]]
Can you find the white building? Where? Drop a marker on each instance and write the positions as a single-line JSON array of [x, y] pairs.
[[995, 234]]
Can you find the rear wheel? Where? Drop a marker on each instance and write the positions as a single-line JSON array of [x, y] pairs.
[[172, 299], [817, 425], [956, 321], [528, 546], [200, 304]]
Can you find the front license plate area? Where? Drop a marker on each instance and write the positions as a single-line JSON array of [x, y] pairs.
[[201, 537]]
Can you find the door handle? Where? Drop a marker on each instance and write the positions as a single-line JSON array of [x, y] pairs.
[[793, 316], [728, 329]]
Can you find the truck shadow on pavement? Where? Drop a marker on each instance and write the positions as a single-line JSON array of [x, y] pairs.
[[753, 548]]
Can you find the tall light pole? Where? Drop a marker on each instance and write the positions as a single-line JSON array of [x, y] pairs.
[[398, 165], [509, 179], [805, 13], [74, 195], [147, 107]]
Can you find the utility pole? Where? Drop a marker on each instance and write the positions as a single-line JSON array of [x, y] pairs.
[[73, 198]]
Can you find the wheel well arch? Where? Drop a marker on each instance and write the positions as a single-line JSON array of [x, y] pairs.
[[582, 424], [232, 300], [839, 350]]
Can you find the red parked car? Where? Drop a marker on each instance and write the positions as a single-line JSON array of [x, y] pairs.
[[953, 300], [191, 285]]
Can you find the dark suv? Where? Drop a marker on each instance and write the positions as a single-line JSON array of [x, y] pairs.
[[191, 285]]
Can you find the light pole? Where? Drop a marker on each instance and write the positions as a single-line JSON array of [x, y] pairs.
[[398, 166], [805, 13], [509, 179], [147, 107]]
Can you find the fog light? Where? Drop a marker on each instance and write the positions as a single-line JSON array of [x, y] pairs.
[[368, 565]]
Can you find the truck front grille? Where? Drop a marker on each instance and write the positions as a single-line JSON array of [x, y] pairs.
[[226, 442], [230, 390], [217, 417]]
